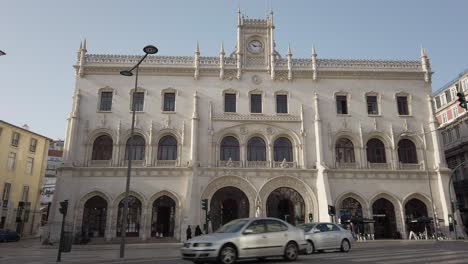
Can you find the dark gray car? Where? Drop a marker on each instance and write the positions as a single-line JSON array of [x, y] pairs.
[[322, 236]]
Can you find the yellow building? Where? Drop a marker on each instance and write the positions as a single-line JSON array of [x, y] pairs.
[[23, 160]]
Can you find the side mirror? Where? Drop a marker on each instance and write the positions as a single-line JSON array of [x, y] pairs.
[[248, 231], [315, 231]]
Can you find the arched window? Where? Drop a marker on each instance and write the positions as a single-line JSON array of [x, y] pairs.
[[283, 150], [230, 149], [376, 151], [407, 151], [133, 217], [94, 217], [344, 151], [137, 146], [167, 148], [256, 149], [102, 148]]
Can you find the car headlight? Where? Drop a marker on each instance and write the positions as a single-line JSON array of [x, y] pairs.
[[202, 244]]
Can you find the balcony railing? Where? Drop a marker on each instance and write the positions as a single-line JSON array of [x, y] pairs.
[[257, 164], [284, 164], [378, 166], [346, 165], [230, 163], [166, 163], [135, 163], [410, 166], [99, 163]]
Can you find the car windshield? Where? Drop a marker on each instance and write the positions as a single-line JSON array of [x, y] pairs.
[[232, 227], [306, 227]]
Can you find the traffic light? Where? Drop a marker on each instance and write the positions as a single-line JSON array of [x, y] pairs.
[[63, 207], [462, 100], [331, 210], [204, 204], [311, 217]]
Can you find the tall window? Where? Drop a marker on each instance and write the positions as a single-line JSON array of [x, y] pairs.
[[341, 104], [33, 145], [407, 151], [29, 166], [437, 102], [255, 103], [229, 149], [25, 194], [11, 161], [444, 118], [15, 137], [376, 151], [283, 150], [256, 149], [230, 103], [167, 148], [138, 101], [137, 146], [455, 112], [6, 194], [372, 106], [102, 148], [106, 101], [402, 102], [169, 102], [344, 150], [281, 103], [448, 95]]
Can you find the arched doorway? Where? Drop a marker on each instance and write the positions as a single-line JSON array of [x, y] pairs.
[[416, 216], [94, 217], [286, 204], [351, 215], [163, 217], [227, 204], [385, 220], [133, 219]]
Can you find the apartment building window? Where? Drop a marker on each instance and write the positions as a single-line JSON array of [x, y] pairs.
[[341, 105], [6, 194], [15, 138], [376, 151], [169, 102], [465, 84], [443, 99], [448, 95], [444, 137], [402, 102], [11, 161], [29, 166], [457, 132], [33, 145], [455, 112], [437, 102], [25, 194], [450, 135], [255, 103], [138, 101], [281, 103], [444, 118], [106, 101], [372, 105], [230, 103]]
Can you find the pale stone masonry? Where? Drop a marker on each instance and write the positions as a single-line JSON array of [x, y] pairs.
[[297, 170]]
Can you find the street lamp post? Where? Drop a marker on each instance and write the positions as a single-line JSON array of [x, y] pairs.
[[123, 230]]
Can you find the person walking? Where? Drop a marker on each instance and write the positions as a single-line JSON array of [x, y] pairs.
[[189, 232], [198, 231]]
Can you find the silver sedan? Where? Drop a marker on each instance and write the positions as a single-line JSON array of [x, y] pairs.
[[246, 238], [321, 236]]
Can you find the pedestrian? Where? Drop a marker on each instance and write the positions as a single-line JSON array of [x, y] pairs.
[[189, 233], [198, 231]]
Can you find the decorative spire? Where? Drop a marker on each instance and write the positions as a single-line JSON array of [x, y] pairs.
[[197, 49], [221, 62], [314, 53], [289, 63], [195, 106], [196, 62], [221, 50], [81, 59], [289, 50], [426, 65], [239, 20], [314, 63], [84, 45], [423, 52]]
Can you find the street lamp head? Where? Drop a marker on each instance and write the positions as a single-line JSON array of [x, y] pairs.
[[126, 73], [2, 53], [150, 49]]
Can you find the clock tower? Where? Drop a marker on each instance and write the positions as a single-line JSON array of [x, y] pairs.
[[255, 47]]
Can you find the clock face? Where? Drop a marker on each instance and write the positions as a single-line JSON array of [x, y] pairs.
[[255, 46]]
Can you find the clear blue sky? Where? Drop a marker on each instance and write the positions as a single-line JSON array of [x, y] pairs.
[[42, 37]]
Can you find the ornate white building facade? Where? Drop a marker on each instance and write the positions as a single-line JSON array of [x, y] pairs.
[[255, 133]]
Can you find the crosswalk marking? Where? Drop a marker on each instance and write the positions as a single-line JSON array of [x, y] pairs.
[[430, 259], [374, 254], [397, 255]]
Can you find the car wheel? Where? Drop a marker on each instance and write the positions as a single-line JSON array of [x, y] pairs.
[[345, 246], [320, 251], [227, 255], [310, 248], [290, 253], [261, 259]]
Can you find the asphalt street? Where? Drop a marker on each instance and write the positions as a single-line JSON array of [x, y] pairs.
[[384, 252]]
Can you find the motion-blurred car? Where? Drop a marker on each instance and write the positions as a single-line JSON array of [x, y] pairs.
[[246, 238], [7, 235], [324, 236]]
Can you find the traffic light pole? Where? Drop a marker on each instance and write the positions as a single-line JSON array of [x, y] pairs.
[[64, 213]]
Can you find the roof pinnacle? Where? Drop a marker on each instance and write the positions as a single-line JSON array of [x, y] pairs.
[[222, 48]]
